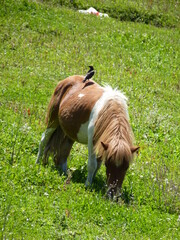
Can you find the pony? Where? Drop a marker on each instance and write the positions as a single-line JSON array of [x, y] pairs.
[[94, 115]]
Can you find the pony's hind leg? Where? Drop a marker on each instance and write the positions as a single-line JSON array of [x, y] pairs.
[[63, 152], [44, 140], [59, 146]]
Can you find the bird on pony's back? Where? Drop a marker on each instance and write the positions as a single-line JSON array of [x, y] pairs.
[[90, 74]]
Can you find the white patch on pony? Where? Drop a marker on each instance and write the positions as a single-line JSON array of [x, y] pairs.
[[109, 94], [116, 95], [81, 95], [82, 135]]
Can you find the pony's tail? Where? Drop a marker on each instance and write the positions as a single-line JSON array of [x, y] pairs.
[[52, 146], [59, 146], [52, 113]]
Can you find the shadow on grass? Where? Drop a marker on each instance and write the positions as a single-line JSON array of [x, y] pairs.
[[79, 175], [99, 184], [127, 196]]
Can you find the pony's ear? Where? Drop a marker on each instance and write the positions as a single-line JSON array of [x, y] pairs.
[[135, 149], [105, 146]]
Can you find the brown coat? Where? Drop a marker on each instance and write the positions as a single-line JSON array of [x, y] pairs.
[[70, 106]]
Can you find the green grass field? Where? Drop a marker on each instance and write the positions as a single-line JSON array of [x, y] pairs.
[[43, 42]]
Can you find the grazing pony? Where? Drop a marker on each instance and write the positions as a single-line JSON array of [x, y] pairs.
[[93, 115]]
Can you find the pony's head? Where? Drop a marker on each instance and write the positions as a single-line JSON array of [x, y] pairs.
[[117, 159], [113, 139]]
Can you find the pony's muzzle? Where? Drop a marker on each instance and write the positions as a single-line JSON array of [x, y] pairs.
[[113, 193]]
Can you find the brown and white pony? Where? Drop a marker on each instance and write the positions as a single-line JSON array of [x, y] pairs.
[[92, 115]]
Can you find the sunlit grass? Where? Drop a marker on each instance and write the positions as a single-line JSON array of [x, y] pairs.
[[41, 45]]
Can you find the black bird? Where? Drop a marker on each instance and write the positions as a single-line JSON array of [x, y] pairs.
[[89, 74]]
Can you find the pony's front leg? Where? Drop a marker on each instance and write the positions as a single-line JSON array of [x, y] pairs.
[[44, 140], [92, 167]]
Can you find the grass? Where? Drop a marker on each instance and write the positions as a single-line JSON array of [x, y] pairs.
[[44, 43], [161, 13]]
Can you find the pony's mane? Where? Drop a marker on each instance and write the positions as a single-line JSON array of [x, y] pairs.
[[112, 127]]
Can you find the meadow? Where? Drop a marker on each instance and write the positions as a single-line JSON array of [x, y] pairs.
[[43, 42]]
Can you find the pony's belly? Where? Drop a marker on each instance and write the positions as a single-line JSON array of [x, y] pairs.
[[82, 135]]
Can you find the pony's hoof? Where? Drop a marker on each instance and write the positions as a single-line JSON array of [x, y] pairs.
[[87, 184], [37, 161]]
